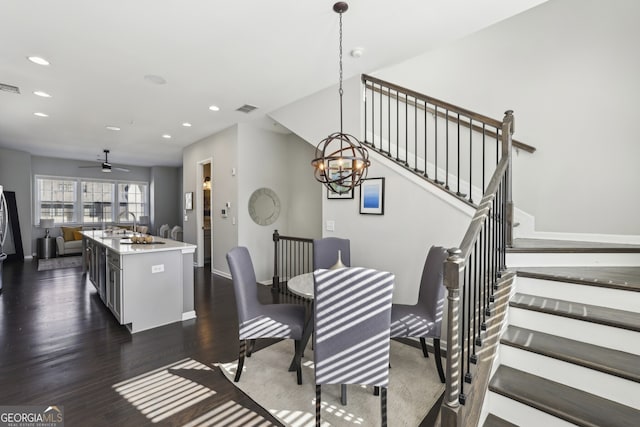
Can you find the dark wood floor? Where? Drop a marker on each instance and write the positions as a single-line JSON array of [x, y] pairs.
[[59, 345]]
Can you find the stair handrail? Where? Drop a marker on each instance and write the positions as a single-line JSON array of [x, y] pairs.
[[492, 226], [446, 105]]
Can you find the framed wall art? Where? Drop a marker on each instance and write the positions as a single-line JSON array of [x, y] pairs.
[[188, 200], [372, 196]]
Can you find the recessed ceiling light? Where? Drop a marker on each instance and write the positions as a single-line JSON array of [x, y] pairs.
[[112, 127], [166, 136], [186, 124], [38, 60], [214, 108], [42, 94], [152, 78], [40, 114]]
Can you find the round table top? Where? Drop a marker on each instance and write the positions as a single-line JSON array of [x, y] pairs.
[[302, 285]]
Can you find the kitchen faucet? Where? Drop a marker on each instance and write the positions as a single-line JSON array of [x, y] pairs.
[[134, 219]]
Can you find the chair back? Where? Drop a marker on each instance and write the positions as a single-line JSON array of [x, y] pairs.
[[244, 283], [352, 324], [176, 233], [163, 231], [431, 296], [325, 252]]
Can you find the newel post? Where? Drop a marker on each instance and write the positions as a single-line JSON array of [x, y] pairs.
[[507, 134], [450, 413]]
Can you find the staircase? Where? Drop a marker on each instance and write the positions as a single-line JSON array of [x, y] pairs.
[[539, 332], [570, 350]]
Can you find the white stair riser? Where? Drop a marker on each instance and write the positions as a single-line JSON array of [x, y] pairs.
[[572, 259], [585, 379], [593, 295], [521, 414], [592, 333]]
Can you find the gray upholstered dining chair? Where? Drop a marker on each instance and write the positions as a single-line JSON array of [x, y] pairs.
[[352, 314], [424, 319], [257, 320], [325, 252]]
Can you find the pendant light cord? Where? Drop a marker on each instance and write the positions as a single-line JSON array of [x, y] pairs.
[[340, 91]]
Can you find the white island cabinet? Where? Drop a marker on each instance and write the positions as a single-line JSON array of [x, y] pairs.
[[144, 285]]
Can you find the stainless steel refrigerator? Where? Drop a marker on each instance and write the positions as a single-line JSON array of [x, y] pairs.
[[4, 224]]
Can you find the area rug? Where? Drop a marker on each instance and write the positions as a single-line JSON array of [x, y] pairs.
[[61, 262], [414, 387]]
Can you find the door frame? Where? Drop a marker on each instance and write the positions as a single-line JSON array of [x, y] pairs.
[[199, 210]]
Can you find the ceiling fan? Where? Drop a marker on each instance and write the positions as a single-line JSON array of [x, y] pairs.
[[106, 166]]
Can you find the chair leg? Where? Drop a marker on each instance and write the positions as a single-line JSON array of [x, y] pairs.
[[343, 394], [252, 343], [383, 406], [296, 346], [243, 349], [318, 393], [436, 354], [423, 344], [376, 391]]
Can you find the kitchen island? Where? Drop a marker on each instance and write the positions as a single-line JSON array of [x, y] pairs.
[[144, 285]]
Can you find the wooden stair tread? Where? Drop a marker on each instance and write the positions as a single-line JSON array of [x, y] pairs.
[[588, 313], [493, 421], [623, 278], [559, 400], [570, 246], [613, 362]]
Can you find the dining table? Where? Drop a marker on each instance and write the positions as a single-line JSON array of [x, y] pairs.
[[302, 286]]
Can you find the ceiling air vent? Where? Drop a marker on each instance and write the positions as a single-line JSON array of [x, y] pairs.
[[247, 108], [9, 88]]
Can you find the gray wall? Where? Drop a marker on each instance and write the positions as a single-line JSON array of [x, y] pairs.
[[282, 163], [261, 158], [165, 190], [17, 169], [222, 149], [15, 175], [569, 69]]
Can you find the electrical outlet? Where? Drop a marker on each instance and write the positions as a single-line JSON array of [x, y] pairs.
[[331, 226], [157, 268]]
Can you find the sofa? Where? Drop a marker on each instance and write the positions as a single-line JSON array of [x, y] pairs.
[[70, 241]]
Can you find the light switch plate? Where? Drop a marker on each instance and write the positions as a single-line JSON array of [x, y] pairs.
[[331, 225]]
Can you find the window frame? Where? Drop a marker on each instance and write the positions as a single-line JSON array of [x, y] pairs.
[[78, 210]]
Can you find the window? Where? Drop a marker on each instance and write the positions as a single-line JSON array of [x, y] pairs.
[[132, 198], [56, 198], [81, 201], [97, 201]]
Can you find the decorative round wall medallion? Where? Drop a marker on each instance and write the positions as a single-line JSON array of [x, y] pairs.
[[264, 206]]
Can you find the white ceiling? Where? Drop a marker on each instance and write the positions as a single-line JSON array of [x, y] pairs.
[[227, 53]]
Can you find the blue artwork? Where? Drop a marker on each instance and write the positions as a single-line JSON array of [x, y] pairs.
[[371, 197]]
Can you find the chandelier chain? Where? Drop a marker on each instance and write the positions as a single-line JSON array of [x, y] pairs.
[[340, 91]]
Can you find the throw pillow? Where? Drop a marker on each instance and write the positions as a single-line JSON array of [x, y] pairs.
[[77, 235], [67, 232]]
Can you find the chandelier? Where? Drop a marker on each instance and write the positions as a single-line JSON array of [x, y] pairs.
[[341, 160]]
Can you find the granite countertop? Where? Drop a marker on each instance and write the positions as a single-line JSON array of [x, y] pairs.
[[121, 243]]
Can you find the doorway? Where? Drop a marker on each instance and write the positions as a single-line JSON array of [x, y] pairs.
[[206, 212], [203, 207]]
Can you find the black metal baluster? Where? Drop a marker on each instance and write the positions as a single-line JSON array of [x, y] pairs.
[[458, 193], [472, 283], [381, 144], [373, 116], [397, 125], [415, 135], [435, 131], [426, 174], [483, 156], [467, 283], [478, 289], [446, 172], [365, 110], [406, 129], [389, 116], [463, 334], [470, 158]]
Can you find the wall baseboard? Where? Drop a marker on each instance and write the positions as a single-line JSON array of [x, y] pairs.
[[188, 315]]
